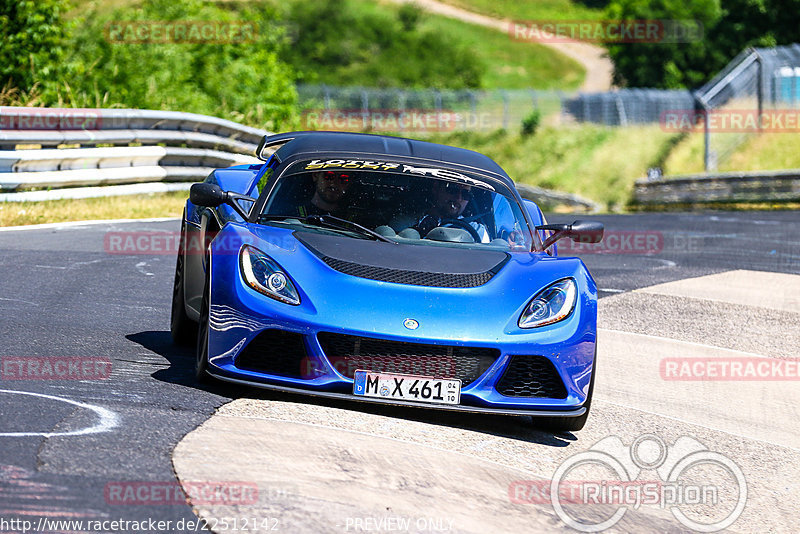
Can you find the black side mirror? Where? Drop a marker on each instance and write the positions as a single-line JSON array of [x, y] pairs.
[[208, 195], [578, 231], [212, 196], [586, 232]]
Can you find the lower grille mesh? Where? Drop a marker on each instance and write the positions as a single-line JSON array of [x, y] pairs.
[[414, 278], [348, 353], [531, 376], [275, 352]]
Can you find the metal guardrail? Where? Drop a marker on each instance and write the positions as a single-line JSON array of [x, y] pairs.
[[546, 198], [739, 187], [195, 145], [177, 147]]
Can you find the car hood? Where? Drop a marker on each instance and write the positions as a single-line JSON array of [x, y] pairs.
[[377, 259], [359, 300]]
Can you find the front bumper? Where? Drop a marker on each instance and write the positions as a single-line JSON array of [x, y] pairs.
[[348, 306]]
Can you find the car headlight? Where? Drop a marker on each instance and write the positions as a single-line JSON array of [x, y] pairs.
[[264, 275], [550, 305]]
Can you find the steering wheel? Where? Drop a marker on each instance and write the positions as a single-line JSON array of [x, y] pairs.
[[464, 225]]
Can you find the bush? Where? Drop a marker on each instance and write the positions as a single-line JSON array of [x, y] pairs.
[[338, 42], [32, 37], [531, 123], [244, 81]]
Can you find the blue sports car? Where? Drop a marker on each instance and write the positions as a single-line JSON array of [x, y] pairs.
[[389, 270]]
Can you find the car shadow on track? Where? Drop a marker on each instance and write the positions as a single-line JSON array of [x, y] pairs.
[[181, 371]]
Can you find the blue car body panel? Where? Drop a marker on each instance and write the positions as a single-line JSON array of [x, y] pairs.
[[485, 316]]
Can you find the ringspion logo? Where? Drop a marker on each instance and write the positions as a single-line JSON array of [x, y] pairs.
[[689, 479]]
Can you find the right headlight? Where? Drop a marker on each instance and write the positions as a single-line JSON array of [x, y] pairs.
[[264, 275], [550, 305]]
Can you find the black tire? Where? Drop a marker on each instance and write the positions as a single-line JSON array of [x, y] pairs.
[[569, 424], [183, 329], [201, 358]]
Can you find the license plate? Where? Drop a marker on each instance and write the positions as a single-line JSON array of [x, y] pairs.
[[407, 387]]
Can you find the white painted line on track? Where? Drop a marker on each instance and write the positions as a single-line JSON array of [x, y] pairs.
[[108, 419], [692, 343]]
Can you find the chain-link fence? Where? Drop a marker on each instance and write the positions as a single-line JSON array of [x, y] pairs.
[[627, 106], [416, 110], [365, 109], [756, 92]]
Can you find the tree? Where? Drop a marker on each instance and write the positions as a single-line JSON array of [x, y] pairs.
[[32, 38]]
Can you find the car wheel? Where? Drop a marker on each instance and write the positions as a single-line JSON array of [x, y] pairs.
[[569, 424], [201, 363], [183, 329]]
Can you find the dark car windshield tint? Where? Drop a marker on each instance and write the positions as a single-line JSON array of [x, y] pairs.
[[403, 202]]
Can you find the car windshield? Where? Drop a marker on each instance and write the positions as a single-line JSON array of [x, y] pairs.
[[401, 202]]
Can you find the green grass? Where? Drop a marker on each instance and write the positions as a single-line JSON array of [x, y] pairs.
[[509, 64], [526, 10], [128, 207], [769, 151], [595, 162]]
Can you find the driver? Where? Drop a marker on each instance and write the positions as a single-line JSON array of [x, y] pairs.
[[330, 189], [449, 202]]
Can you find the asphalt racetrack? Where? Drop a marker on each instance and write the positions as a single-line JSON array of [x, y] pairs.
[[119, 431]]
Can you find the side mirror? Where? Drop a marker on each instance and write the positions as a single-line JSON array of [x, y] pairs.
[[586, 232], [578, 231], [207, 195], [212, 196]]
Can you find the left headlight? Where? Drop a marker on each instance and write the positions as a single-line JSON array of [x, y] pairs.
[[264, 275], [550, 305]]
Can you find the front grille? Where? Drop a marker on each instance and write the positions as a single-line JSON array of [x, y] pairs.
[[348, 353], [275, 352], [414, 278], [531, 376]]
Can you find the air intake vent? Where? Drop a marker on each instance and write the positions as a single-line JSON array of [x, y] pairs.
[[531, 376], [414, 278], [349, 353], [275, 352]]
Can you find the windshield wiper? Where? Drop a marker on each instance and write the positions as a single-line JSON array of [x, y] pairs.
[[344, 224], [329, 221], [278, 217]]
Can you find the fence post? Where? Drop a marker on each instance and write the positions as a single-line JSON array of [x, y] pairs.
[[706, 138], [759, 88]]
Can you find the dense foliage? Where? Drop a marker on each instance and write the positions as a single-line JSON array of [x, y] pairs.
[[95, 59], [729, 26], [335, 43], [32, 39]]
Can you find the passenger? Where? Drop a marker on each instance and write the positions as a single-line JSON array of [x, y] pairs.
[[449, 202]]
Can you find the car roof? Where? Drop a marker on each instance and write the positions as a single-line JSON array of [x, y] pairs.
[[348, 144]]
